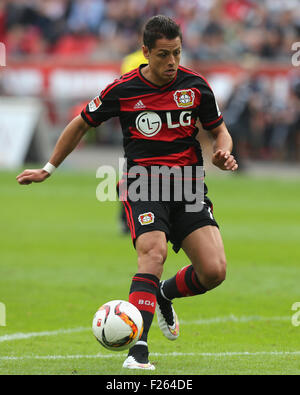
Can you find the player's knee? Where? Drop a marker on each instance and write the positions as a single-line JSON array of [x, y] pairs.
[[151, 261], [151, 257], [215, 274]]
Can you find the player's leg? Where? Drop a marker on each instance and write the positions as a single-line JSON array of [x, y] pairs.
[[148, 224], [151, 250], [197, 233], [204, 247]]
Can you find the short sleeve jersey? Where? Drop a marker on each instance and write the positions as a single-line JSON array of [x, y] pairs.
[[158, 122]]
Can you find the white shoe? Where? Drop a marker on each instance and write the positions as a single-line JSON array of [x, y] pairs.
[[131, 363], [138, 357], [167, 318]]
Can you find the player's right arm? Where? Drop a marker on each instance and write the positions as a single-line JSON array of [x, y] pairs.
[[99, 110], [66, 143]]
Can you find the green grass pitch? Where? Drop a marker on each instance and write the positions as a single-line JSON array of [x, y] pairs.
[[62, 256]]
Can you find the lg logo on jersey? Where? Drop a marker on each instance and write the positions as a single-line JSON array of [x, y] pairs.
[[185, 119], [149, 123]]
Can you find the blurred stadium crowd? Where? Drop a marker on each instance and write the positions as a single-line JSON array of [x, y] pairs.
[[264, 121], [213, 29]]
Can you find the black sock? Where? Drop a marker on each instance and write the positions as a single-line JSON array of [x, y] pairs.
[[142, 295], [140, 352], [184, 283]]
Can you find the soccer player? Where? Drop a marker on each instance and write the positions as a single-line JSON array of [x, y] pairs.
[[130, 62], [158, 105]]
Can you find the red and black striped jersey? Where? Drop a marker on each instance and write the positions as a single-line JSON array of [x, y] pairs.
[[158, 122]]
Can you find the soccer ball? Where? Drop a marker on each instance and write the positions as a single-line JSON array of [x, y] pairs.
[[117, 325]]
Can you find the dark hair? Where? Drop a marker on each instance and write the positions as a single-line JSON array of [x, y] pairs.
[[160, 26]]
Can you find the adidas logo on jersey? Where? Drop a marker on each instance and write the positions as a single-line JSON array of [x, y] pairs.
[[139, 105]]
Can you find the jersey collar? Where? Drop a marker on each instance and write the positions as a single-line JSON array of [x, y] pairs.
[[154, 86]]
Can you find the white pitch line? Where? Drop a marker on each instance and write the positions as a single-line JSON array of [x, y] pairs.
[[232, 318], [215, 320], [20, 336], [154, 354]]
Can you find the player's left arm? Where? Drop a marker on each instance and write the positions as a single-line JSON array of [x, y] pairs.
[[212, 120], [222, 148]]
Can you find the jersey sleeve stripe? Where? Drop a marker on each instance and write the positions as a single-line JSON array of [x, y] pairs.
[[129, 73], [116, 83], [212, 122], [88, 118], [194, 73]]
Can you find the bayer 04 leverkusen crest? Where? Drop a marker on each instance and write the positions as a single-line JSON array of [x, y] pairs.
[[146, 218], [184, 98]]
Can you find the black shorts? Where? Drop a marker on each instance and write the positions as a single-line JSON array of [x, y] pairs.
[[169, 217]]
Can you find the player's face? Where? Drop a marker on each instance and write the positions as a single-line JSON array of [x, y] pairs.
[[163, 60]]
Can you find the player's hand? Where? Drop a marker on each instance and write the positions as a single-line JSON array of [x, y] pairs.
[[28, 176], [224, 160]]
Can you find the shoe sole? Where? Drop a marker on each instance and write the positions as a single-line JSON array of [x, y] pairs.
[[137, 365], [168, 332]]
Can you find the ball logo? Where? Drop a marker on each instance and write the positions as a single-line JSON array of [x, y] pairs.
[[148, 123], [99, 322], [146, 218], [184, 98]]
